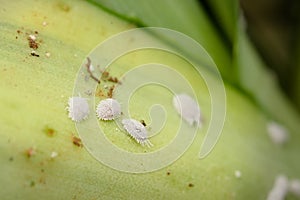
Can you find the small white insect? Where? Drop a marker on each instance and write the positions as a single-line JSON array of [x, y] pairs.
[[278, 134], [238, 174], [137, 131], [294, 187], [108, 109], [279, 189], [188, 108], [78, 108]]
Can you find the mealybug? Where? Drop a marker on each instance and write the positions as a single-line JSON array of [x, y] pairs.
[[108, 109], [187, 108], [137, 131], [78, 108], [279, 189], [278, 134]]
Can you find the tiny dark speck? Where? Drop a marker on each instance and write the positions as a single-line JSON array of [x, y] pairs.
[[49, 131], [191, 185], [168, 173], [32, 183], [143, 122], [11, 159], [34, 54]]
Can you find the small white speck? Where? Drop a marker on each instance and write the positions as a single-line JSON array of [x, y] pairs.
[[92, 68], [294, 187], [32, 37], [44, 23], [277, 133], [75, 55], [137, 131], [238, 174], [78, 108], [47, 54], [53, 154], [105, 86], [108, 109], [188, 108], [280, 188]]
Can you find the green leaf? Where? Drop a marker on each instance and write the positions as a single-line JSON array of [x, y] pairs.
[[261, 83], [186, 16], [34, 92], [226, 14]]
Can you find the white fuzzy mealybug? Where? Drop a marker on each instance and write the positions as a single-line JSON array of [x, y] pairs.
[[78, 108], [294, 187], [108, 109], [137, 131], [278, 134], [279, 189], [188, 108]]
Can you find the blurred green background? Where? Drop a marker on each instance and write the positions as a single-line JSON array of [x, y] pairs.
[[274, 28]]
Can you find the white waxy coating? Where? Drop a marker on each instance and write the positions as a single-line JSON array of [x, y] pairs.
[[188, 108], [137, 131], [78, 108], [279, 189], [277, 133], [294, 187], [108, 109]]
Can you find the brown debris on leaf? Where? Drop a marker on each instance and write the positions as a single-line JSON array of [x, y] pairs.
[[89, 67], [110, 91], [49, 131], [106, 77], [100, 93], [77, 141], [33, 44], [32, 38], [30, 152], [113, 79]]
